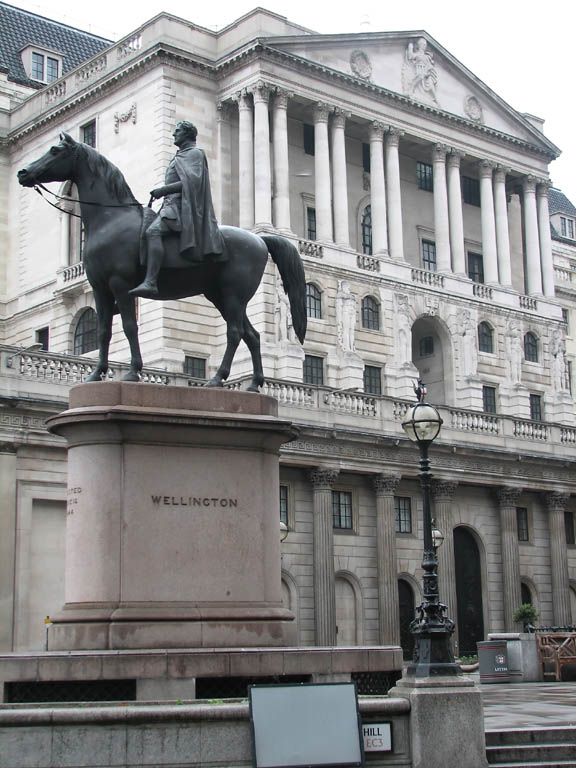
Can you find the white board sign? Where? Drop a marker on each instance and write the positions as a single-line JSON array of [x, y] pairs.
[[377, 737]]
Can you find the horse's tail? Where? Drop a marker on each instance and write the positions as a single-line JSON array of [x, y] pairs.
[[287, 259]]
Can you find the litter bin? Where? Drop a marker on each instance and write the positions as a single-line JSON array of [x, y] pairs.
[[493, 661]]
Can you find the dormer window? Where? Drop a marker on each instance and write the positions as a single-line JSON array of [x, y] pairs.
[[567, 227], [42, 65]]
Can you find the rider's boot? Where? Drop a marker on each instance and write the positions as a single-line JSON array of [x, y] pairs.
[[149, 288]]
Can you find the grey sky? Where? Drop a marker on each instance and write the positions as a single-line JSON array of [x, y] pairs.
[[516, 47]]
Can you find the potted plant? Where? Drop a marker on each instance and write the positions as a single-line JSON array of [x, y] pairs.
[[527, 615]]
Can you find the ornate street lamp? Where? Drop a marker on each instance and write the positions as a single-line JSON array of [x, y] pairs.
[[432, 630]]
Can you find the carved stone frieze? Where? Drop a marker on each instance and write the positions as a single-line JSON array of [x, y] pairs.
[[419, 75], [360, 65], [473, 109], [124, 117]]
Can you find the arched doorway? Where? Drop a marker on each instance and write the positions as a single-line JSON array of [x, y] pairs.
[[407, 613], [468, 591]]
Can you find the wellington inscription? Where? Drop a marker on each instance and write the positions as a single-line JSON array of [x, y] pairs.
[[192, 501]]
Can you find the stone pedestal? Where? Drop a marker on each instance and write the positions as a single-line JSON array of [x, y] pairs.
[[172, 536], [523, 661], [446, 721]]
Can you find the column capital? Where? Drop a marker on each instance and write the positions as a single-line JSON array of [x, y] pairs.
[[385, 484], [261, 92], [243, 98], [322, 478], [443, 490], [529, 184], [224, 111], [500, 173], [542, 187], [485, 168], [376, 131], [393, 136], [321, 112], [439, 153], [282, 97], [339, 117], [454, 158], [508, 495], [556, 501]]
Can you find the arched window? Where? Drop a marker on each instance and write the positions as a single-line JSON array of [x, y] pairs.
[[531, 347], [86, 333], [366, 227], [485, 338], [370, 313], [313, 301]]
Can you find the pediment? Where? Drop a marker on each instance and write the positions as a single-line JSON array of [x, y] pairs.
[[416, 66]]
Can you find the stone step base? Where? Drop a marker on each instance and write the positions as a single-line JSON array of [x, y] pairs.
[[532, 748]]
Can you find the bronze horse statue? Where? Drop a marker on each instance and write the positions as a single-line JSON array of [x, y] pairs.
[[114, 222]]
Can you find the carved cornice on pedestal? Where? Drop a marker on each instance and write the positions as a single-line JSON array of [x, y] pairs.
[[322, 478], [385, 485]]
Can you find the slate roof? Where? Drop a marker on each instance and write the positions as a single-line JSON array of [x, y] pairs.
[[19, 28], [559, 203]]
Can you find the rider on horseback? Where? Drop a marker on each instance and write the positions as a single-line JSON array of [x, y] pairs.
[[187, 210]]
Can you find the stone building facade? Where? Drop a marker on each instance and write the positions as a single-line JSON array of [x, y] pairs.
[[419, 202]]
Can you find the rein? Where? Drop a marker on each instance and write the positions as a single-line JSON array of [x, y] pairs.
[[40, 187]]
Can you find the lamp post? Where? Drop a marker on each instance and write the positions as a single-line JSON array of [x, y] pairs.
[[432, 630]]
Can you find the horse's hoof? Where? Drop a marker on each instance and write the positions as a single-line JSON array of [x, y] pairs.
[[94, 376], [253, 388], [131, 377], [214, 383]]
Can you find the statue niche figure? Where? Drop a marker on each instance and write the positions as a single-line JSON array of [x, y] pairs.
[[225, 264]]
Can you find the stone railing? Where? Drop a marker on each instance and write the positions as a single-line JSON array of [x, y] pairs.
[[73, 272], [350, 402], [55, 92], [94, 68], [530, 430], [528, 302], [472, 421], [563, 274], [369, 263], [310, 248], [425, 277], [129, 46], [482, 291]]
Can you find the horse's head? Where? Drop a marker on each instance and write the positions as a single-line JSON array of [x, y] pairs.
[[55, 165]]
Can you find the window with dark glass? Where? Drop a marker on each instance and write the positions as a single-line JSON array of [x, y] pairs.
[[366, 226], [531, 347], [37, 72], [429, 255], [485, 338], [311, 223], [342, 510], [89, 133], [313, 372], [86, 333], [403, 514], [366, 157], [309, 140], [525, 594], [569, 526], [370, 313], [195, 367], [43, 337], [425, 176], [284, 504], [471, 190], [489, 399], [522, 524], [536, 407], [426, 346], [372, 380], [476, 267], [51, 69], [565, 318], [313, 301]]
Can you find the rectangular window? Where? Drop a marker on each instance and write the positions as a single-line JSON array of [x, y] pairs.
[[37, 66], [569, 525], [284, 504], [51, 69], [489, 399], [565, 319], [89, 134], [195, 367], [313, 370], [342, 510], [475, 267], [429, 255], [562, 226], [522, 524], [311, 223], [309, 140], [366, 157], [570, 228], [536, 407], [425, 176], [426, 346], [372, 380], [471, 190], [403, 514], [43, 337]]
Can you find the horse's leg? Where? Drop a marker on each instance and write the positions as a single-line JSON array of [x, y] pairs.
[[127, 307], [252, 339], [232, 313], [104, 311]]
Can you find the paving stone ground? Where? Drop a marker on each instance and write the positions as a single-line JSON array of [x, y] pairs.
[[528, 705]]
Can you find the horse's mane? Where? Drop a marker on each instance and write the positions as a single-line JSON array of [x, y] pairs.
[[113, 178]]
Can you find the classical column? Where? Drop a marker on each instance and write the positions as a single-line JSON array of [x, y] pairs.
[[323, 201], [456, 223], [443, 493], [223, 181], [378, 190], [556, 505], [489, 252], [532, 245], [441, 226], [281, 167], [547, 263], [322, 479], [339, 179], [393, 194], [502, 233], [7, 543], [245, 160], [389, 611], [511, 589], [262, 171]]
